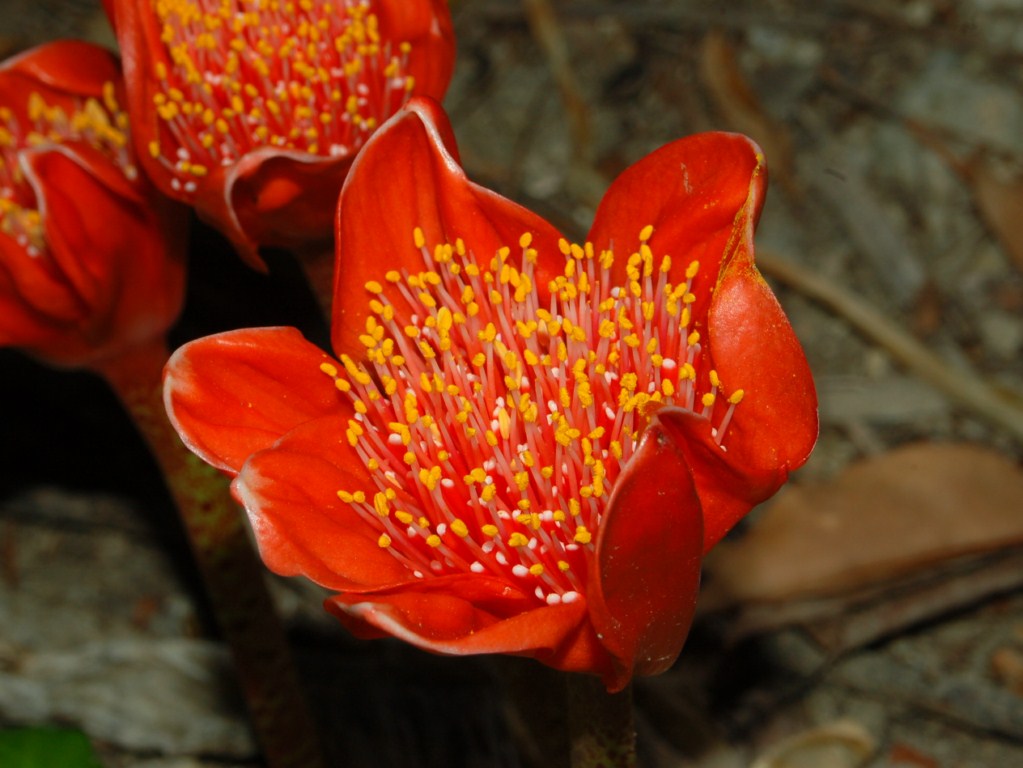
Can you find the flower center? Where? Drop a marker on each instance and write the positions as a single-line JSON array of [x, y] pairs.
[[97, 123], [236, 75], [494, 423]]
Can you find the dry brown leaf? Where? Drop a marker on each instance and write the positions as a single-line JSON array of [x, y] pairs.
[[882, 519], [1000, 203], [739, 106]]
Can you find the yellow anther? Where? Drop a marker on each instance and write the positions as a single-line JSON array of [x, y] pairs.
[[430, 477], [582, 536], [646, 232], [384, 541], [489, 530], [459, 528]]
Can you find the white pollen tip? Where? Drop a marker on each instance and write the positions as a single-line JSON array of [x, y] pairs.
[[520, 570], [570, 597], [553, 599], [477, 567]]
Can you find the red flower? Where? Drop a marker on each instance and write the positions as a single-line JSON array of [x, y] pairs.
[[91, 261], [252, 111], [525, 446]]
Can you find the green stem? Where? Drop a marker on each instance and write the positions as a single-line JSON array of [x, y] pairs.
[[600, 724], [233, 576]]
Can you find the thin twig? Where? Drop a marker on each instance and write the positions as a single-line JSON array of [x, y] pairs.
[[547, 31], [962, 384]]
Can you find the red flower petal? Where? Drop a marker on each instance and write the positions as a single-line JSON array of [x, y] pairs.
[[71, 67], [37, 307], [236, 393], [272, 197], [426, 26], [382, 208], [113, 255], [470, 614], [290, 493], [690, 191], [646, 572], [775, 426]]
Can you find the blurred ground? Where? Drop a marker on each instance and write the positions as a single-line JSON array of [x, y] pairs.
[[871, 616]]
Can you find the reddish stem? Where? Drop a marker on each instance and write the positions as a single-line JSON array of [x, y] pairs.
[[233, 576]]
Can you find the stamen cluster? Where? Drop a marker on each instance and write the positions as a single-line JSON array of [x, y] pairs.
[[98, 123], [495, 422], [305, 75]]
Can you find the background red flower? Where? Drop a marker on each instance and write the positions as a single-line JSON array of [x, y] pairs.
[[254, 117], [91, 256]]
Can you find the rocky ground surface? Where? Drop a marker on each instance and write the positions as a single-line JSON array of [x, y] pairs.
[[871, 616]]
